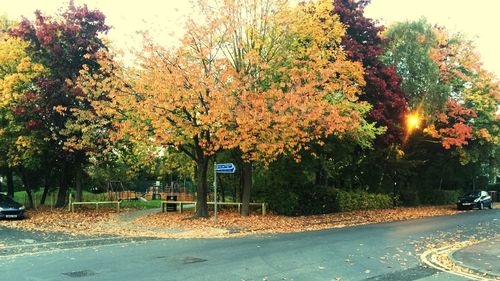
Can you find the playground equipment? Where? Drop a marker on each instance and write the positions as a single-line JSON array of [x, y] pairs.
[[116, 192], [162, 192]]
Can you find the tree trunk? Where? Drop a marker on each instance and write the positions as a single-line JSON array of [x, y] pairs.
[[10, 183], [201, 186], [30, 197], [45, 189], [63, 190], [78, 184], [27, 187], [240, 186], [246, 173]]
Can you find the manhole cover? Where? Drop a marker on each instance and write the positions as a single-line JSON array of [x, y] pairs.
[[187, 260], [81, 273]]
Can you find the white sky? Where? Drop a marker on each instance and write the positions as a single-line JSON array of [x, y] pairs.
[[479, 20]]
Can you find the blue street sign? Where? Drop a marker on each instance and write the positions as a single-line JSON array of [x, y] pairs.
[[227, 168]]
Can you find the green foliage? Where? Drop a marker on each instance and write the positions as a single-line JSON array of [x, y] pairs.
[[409, 197], [307, 200], [408, 47], [429, 197], [136, 204], [439, 197], [289, 189], [346, 201]]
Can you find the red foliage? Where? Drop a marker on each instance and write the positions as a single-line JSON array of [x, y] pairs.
[[63, 45], [451, 128], [382, 89]]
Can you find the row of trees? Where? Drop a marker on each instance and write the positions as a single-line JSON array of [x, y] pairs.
[[260, 82]]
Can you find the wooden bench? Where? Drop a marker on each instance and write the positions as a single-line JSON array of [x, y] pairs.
[[96, 204], [179, 204]]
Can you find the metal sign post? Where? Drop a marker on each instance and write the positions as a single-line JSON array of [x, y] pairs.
[[215, 193], [227, 168]]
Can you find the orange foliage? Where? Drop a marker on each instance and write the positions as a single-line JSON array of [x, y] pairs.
[[452, 128], [257, 76], [232, 84]]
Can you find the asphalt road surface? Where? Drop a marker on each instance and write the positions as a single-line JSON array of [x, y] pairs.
[[385, 251]]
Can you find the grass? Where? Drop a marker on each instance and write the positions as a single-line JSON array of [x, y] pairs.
[[22, 197], [138, 204]]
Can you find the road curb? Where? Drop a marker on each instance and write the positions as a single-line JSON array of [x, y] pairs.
[[441, 259], [474, 268]]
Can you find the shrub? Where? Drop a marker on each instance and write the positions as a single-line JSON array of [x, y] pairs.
[[308, 200], [439, 197], [409, 197], [360, 200]]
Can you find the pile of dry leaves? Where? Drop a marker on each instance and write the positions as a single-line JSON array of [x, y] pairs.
[[230, 224]]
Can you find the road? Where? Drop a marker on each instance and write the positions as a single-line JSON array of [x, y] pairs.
[[385, 251]]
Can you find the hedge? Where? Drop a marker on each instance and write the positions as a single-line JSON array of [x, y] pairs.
[[429, 197], [322, 200], [346, 201]]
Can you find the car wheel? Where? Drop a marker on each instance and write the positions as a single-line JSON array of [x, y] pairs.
[[481, 206], [490, 206]]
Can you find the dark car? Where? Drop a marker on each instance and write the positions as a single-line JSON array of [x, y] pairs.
[[10, 209], [475, 199]]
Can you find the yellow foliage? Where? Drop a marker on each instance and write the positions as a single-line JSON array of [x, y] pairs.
[[17, 72], [260, 76]]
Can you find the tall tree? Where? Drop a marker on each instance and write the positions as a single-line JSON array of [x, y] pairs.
[[363, 43], [270, 51], [271, 100], [21, 140], [63, 45], [456, 97], [473, 91], [408, 47]]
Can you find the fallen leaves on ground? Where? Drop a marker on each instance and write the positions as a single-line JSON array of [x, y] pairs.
[[237, 225], [57, 220], [229, 224]]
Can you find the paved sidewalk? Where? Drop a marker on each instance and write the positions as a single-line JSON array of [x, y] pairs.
[[483, 257]]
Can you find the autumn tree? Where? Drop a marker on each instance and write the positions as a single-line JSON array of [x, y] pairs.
[[285, 69], [63, 45], [21, 140], [408, 47], [433, 77], [288, 87], [473, 91], [467, 91], [363, 43], [456, 97]]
